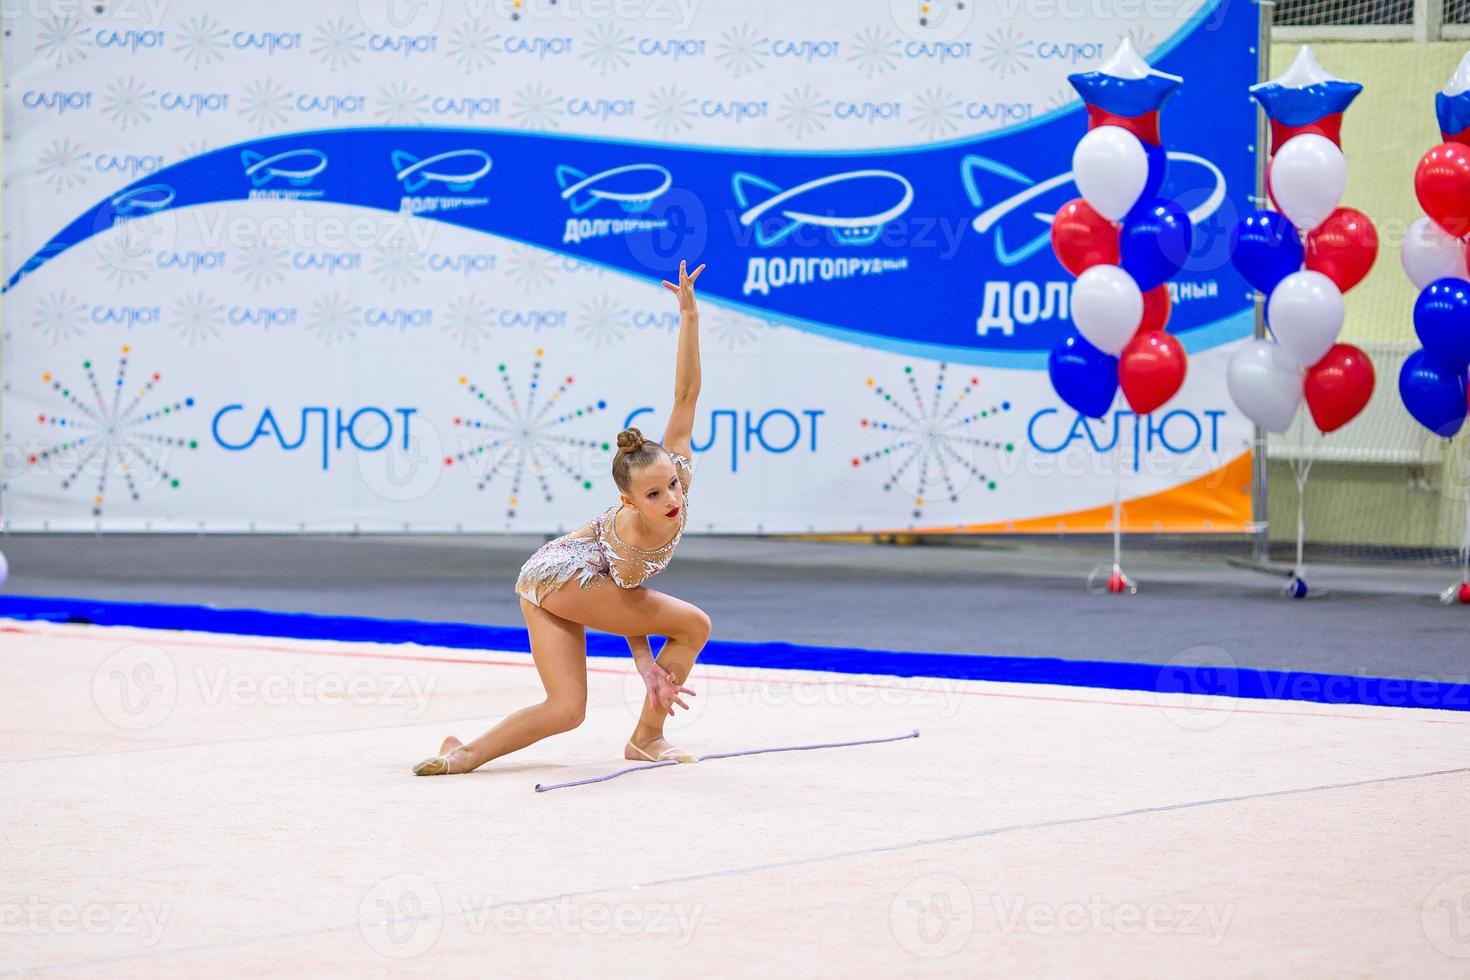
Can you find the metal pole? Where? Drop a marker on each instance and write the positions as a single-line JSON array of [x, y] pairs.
[[1260, 531]]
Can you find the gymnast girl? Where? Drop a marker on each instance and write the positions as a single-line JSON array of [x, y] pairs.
[[594, 576]]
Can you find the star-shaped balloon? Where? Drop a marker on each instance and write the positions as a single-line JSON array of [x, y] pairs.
[[1125, 92], [1452, 105], [1306, 98]]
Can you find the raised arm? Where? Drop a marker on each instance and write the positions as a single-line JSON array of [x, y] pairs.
[[680, 432]]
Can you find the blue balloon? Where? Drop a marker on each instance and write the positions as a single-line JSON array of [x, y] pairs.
[[1442, 320], [1084, 377], [1433, 392], [1265, 249], [1154, 243], [1158, 163]]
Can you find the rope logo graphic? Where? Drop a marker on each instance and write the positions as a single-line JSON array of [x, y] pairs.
[[1025, 212], [458, 170], [143, 200], [634, 187], [778, 214], [296, 167]]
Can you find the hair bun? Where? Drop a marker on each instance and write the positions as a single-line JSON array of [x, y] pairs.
[[630, 440]]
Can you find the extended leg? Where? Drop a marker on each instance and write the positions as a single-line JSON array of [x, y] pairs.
[[559, 649]]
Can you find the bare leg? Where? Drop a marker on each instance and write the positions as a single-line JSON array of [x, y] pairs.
[[559, 650], [641, 612]]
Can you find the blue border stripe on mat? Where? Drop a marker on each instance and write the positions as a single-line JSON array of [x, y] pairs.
[[1227, 681]]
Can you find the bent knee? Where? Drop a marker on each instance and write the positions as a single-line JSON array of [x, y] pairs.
[[697, 628], [564, 716]]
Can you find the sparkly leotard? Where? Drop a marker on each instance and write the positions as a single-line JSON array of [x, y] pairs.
[[594, 552]]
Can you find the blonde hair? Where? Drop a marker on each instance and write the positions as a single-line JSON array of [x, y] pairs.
[[634, 453]]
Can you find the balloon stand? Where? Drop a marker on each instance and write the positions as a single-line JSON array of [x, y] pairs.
[[1460, 591], [1301, 468], [1116, 581]]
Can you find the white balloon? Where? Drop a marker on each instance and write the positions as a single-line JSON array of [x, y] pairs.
[[1308, 177], [1305, 313], [1106, 307], [4, 569], [1429, 253], [1111, 169], [1265, 384]]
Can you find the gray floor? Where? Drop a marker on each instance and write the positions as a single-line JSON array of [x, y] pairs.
[[1004, 598]]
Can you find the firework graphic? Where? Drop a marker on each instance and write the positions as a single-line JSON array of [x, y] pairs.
[[804, 112], [110, 433], [1006, 52], [469, 320], [63, 39], [1062, 98], [742, 50], [60, 316], [473, 45], [1142, 39], [670, 109], [399, 264], [513, 440], [201, 40], [192, 149], [531, 267], [602, 321], [936, 112], [334, 318], [734, 330], [537, 107], [264, 104], [338, 43], [875, 50], [128, 102], [609, 48], [932, 451], [197, 318], [262, 264], [63, 165], [125, 256], [402, 104]]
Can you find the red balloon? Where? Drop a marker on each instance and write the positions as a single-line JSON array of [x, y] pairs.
[[1082, 238], [1151, 370], [1338, 387], [1343, 247], [1442, 183], [1156, 308]]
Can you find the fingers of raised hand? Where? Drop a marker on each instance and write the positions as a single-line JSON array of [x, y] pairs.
[[670, 286], [694, 276]]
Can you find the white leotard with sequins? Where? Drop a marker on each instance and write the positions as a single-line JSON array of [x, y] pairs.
[[594, 553]]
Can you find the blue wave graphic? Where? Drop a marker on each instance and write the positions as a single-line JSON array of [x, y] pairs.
[[891, 248]]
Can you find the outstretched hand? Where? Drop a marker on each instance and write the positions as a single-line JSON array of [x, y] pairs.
[[685, 289], [662, 690]]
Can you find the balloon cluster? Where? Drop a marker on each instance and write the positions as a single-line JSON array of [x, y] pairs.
[[1302, 257], [1433, 382], [1122, 242]]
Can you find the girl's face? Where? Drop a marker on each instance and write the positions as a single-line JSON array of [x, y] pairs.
[[656, 493]]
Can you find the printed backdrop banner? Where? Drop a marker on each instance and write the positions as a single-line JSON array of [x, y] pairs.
[[388, 265]]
